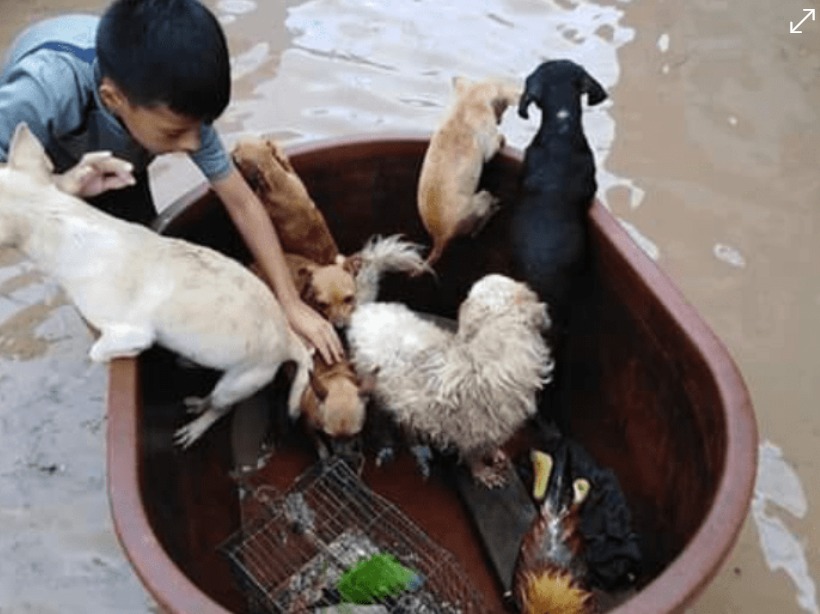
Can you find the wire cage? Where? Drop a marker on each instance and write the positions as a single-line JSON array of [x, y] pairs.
[[290, 559]]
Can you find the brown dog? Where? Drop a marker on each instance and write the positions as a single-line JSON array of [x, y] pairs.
[[330, 289], [467, 138], [301, 227], [334, 404]]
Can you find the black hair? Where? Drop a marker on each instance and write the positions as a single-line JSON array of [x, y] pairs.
[[170, 52]]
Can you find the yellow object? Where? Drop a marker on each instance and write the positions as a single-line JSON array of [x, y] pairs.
[[542, 468], [580, 490], [554, 592]]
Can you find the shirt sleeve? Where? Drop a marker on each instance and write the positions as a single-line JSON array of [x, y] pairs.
[[42, 91], [211, 157]]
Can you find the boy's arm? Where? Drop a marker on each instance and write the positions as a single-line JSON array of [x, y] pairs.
[[257, 230], [26, 97]]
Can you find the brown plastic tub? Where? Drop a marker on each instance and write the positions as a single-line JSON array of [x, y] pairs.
[[655, 395]]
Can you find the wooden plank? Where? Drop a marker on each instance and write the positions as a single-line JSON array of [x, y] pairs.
[[501, 517]]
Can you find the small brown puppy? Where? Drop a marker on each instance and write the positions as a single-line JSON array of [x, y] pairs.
[[301, 227], [467, 138], [334, 404], [330, 289]]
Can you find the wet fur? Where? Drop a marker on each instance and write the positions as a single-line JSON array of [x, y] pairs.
[[138, 288], [334, 404], [300, 225], [472, 389], [335, 289], [467, 138], [548, 229], [330, 289]]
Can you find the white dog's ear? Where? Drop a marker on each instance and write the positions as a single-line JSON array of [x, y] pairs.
[[27, 154], [460, 83]]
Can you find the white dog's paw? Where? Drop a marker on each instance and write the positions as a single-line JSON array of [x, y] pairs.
[[385, 455], [424, 457], [185, 436], [492, 470]]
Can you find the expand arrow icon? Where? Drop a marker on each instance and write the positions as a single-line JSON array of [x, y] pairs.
[[794, 28]]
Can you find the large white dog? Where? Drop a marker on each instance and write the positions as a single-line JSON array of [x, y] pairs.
[[139, 288], [472, 389]]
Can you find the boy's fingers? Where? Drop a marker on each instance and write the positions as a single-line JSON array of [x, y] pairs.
[[115, 182], [115, 166], [95, 156]]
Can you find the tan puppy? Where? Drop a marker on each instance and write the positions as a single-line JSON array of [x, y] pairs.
[[335, 402], [467, 138], [300, 225], [330, 289], [139, 288], [335, 289]]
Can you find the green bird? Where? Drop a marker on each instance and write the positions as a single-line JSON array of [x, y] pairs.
[[376, 578]]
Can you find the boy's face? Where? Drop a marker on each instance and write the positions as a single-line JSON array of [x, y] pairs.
[[157, 128], [161, 130]]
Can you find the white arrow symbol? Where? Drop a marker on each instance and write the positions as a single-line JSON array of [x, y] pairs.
[[793, 28]]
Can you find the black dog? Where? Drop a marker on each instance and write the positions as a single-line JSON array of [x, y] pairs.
[[558, 185], [548, 225]]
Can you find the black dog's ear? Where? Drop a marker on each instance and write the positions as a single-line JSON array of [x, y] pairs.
[[594, 90], [526, 99]]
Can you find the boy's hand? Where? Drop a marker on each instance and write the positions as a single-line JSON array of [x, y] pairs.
[[95, 173], [316, 331]]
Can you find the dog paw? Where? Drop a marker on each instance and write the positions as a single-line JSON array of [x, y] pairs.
[[186, 436], [491, 477], [385, 455], [491, 471], [424, 458]]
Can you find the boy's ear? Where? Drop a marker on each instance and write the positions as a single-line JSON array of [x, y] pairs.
[[27, 154], [111, 96]]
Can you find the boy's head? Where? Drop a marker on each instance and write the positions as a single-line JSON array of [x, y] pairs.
[[165, 70]]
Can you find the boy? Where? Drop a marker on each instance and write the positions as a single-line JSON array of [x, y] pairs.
[[147, 78]]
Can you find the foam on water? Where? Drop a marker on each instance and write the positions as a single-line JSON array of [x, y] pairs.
[[778, 486]]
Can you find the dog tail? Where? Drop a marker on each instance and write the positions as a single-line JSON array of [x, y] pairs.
[[383, 254], [304, 365]]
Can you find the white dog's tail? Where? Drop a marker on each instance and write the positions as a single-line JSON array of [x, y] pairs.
[[304, 365], [383, 254]]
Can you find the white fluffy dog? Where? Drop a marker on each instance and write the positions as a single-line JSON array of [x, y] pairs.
[[472, 389], [139, 288]]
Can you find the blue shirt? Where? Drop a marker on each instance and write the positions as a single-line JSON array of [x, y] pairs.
[[50, 80]]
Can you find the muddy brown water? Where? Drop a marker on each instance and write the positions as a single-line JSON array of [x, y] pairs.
[[707, 152]]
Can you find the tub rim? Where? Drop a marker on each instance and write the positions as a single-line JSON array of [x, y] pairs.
[[676, 587]]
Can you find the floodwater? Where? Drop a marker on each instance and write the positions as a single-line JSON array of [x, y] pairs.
[[707, 152]]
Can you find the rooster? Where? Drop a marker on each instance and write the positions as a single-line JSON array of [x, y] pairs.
[[550, 573], [581, 541]]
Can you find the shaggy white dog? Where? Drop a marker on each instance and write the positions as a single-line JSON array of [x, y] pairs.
[[472, 389], [138, 288]]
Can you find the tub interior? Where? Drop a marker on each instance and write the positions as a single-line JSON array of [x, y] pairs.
[[643, 401]]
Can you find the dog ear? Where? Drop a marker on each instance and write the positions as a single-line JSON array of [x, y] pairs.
[[303, 280], [594, 90], [319, 389], [279, 155], [531, 93], [352, 264], [26, 153], [460, 83], [367, 382]]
